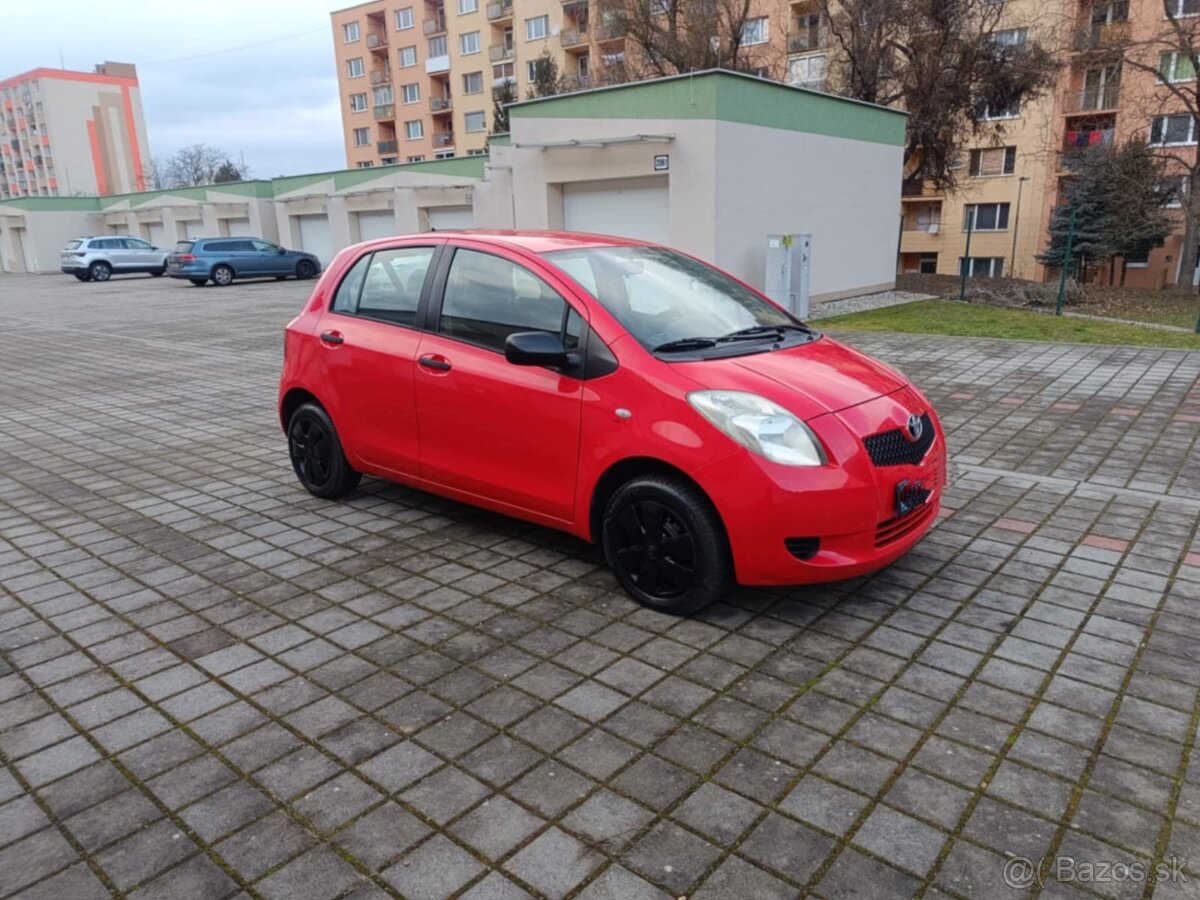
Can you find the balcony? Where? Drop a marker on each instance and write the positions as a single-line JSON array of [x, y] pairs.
[[576, 82], [444, 140], [807, 39], [1101, 36], [500, 53], [381, 76], [377, 40], [435, 25], [500, 10], [385, 111], [1092, 100], [574, 38], [436, 64], [438, 105], [387, 146]]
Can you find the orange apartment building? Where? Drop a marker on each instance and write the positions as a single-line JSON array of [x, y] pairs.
[[65, 133]]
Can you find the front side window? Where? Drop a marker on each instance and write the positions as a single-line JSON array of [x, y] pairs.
[[265, 247], [135, 244], [487, 298], [354, 67], [538, 28], [663, 297]]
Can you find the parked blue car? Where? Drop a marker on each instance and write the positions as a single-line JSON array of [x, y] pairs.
[[224, 259]]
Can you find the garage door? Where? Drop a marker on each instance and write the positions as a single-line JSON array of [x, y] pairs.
[[156, 234], [314, 237], [632, 207], [22, 263], [448, 218], [239, 227], [193, 229], [376, 224]]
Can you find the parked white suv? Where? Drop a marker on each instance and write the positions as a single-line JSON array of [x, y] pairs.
[[99, 258]]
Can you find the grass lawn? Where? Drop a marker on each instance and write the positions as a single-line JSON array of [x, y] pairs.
[[970, 320]]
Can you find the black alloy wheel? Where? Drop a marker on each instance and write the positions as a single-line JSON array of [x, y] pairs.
[[316, 454]]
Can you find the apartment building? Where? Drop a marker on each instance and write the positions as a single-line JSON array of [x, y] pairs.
[[65, 133]]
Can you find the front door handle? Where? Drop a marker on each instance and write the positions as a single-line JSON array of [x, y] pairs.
[[332, 337], [435, 362]]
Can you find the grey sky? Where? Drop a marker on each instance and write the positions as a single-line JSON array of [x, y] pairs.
[[251, 77]]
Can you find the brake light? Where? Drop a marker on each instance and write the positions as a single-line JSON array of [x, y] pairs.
[[187, 257], [78, 253]]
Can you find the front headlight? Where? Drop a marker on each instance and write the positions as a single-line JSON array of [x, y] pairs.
[[760, 425]]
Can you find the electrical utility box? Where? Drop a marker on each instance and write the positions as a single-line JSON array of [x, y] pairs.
[[789, 261]]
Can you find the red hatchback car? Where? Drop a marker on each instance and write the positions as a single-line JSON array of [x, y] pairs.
[[621, 391]]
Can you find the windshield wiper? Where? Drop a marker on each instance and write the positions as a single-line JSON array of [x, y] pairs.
[[758, 331], [691, 343]]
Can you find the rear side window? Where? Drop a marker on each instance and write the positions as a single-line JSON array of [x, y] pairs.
[[487, 298], [220, 246], [391, 289], [184, 247]]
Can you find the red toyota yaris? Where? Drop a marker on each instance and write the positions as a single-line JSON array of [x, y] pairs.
[[618, 390]]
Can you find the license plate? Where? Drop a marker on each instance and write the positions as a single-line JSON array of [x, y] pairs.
[[910, 494]]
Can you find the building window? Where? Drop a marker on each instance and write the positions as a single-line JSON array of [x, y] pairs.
[[659, 7], [383, 95], [410, 93], [362, 137], [754, 31], [1012, 37], [404, 18], [412, 159], [354, 67], [1184, 8], [504, 71], [476, 153], [475, 121], [350, 32], [408, 57], [1009, 111], [982, 266], [537, 28], [388, 161], [444, 154], [531, 70], [1166, 131], [1174, 67], [358, 102], [473, 83], [993, 161], [437, 46], [1172, 190], [807, 71], [414, 130], [1138, 259], [987, 216], [467, 6], [366, 165], [469, 43]]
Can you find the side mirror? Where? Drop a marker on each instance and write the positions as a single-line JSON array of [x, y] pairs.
[[282, 251], [535, 348]]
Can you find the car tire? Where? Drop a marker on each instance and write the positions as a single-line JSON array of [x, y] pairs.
[[665, 543], [83, 276], [222, 276], [99, 271], [158, 273], [305, 270], [317, 456], [198, 282]]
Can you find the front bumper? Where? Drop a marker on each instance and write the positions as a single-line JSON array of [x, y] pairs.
[[849, 507]]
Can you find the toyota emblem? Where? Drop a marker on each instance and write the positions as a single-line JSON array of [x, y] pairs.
[[914, 428]]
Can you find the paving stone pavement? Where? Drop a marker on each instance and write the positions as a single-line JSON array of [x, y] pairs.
[[214, 685]]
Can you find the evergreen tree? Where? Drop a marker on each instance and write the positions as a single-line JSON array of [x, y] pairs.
[[502, 96], [545, 77]]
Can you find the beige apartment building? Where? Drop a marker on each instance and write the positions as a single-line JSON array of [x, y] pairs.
[[66, 133]]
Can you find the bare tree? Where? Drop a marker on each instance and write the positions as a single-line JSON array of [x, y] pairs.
[[1170, 102], [953, 65], [670, 37], [152, 175], [198, 164]]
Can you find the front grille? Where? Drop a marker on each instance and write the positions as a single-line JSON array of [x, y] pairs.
[[892, 448], [894, 529]]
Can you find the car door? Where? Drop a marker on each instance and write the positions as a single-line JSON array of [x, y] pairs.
[[118, 255], [490, 428], [268, 259], [140, 254], [369, 346]]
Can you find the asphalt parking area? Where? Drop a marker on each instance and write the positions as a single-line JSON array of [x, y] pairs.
[[212, 684]]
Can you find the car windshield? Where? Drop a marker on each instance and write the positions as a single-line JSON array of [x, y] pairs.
[[671, 302]]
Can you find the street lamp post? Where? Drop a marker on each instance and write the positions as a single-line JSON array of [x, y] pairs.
[[1012, 260]]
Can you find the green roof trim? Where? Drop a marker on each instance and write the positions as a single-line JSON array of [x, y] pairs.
[[199, 193], [727, 97], [503, 139], [54, 204], [457, 167]]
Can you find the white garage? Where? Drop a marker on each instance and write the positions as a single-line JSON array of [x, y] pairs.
[[156, 234], [376, 224], [239, 227], [193, 228], [314, 236], [449, 218], [627, 207]]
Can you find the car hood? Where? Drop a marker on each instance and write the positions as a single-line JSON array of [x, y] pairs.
[[809, 379]]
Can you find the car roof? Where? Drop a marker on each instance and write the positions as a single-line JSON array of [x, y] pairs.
[[542, 241]]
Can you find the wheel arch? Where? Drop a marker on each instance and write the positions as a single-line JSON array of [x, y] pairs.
[[226, 263], [632, 467], [293, 400]]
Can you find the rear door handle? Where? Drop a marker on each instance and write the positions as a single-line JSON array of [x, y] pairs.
[[332, 337], [433, 362]]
